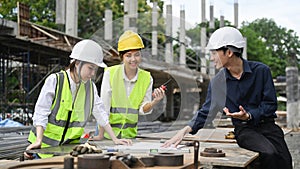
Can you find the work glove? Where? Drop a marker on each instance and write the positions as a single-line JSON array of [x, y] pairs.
[[230, 135], [86, 148]]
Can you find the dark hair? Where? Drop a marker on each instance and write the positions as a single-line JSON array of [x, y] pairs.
[[121, 53], [224, 49], [72, 66], [237, 51]]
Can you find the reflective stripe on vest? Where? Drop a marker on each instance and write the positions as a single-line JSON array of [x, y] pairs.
[[67, 118], [124, 110]]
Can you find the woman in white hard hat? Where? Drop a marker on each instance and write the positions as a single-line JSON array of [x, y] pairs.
[[243, 90], [127, 90], [67, 100]]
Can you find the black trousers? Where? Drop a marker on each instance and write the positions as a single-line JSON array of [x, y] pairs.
[[268, 140]]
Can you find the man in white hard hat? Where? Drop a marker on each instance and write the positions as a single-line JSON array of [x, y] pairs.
[[67, 100], [244, 91]]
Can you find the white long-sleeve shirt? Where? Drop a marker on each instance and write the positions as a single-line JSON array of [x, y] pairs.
[[129, 84], [43, 105]]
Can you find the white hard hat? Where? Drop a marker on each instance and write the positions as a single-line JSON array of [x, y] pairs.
[[226, 36], [89, 51]]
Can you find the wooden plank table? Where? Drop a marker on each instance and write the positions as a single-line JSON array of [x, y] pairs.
[[216, 135], [234, 155]]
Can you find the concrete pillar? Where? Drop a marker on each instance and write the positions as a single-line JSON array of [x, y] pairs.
[[60, 12], [222, 21], [236, 13], [245, 49], [296, 121], [169, 46], [132, 14], [292, 93], [154, 29], [126, 17], [108, 27], [182, 59], [212, 71], [211, 17], [203, 51], [203, 19], [203, 39], [72, 17]]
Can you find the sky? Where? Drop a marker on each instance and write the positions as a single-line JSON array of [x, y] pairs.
[[286, 13]]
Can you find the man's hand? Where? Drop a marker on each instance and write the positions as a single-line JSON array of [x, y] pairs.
[[175, 140], [242, 114]]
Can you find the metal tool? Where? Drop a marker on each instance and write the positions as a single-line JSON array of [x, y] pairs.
[[212, 152], [93, 161], [163, 86], [168, 159], [68, 163], [167, 82], [196, 154]]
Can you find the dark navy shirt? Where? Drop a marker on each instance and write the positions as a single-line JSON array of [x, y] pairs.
[[254, 91]]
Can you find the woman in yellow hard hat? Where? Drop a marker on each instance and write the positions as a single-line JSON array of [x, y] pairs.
[[127, 89], [67, 100]]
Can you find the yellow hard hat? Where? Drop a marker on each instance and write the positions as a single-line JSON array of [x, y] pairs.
[[130, 40]]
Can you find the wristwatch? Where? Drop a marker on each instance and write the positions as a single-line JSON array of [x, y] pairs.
[[250, 117]]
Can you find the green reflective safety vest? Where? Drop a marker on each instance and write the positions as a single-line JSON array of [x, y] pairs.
[[67, 118], [124, 110]]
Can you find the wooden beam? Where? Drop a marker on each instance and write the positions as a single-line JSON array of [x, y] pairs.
[[67, 40], [44, 32]]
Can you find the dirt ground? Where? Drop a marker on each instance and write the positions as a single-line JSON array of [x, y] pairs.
[[293, 141]]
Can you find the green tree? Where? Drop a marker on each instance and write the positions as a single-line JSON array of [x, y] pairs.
[[90, 13], [271, 44], [256, 48], [194, 33], [41, 11]]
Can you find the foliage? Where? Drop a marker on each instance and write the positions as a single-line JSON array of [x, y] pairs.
[[256, 49], [266, 42], [90, 13], [91, 19], [41, 11], [271, 44], [194, 33]]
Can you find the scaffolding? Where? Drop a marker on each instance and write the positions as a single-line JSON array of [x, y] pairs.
[[30, 52]]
